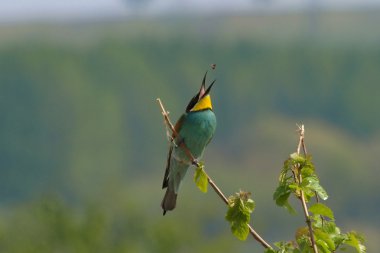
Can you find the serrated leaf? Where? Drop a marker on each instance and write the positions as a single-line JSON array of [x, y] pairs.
[[238, 220], [321, 209], [200, 179], [240, 230], [304, 245], [331, 228], [355, 241], [322, 246], [312, 183], [250, 205], [240, 206], [285, 247], [322, 236], [237, 212], [281, 196]]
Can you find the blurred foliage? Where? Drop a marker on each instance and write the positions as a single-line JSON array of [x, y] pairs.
[[79, 119], [52, 225]]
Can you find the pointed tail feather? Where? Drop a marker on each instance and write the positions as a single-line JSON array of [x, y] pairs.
[[169, 201]]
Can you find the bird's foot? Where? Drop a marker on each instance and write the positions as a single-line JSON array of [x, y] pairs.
[[195, 162]]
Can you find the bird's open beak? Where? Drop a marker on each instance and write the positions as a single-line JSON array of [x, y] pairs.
[[203, 92]]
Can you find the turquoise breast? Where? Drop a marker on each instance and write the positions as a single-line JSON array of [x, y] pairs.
[[196, 131]]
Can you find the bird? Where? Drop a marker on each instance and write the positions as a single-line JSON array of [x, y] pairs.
[[195, 129]]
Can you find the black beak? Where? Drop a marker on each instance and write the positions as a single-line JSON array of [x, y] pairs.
[[203, 92], [209, 87]]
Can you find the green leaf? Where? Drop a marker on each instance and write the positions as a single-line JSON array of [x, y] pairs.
[[240, 230], [281, 196], [287, 165], [290, 209], [356, 241], [329, 227], [297, 158], [294, 187], [307, 171], [240, 206], [322, 246], [250, 205], [304, 244], [312, 183], [328, 244], [321, 209], [200, 178], [285, 247]]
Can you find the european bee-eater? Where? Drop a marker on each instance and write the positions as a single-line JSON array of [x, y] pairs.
[[195, 129]]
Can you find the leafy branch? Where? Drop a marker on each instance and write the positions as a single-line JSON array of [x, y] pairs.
[[301, 130], [239, 205], [298, 178]]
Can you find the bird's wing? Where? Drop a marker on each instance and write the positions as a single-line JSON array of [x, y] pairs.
[[166, 177], [179, 123], [177, 128]]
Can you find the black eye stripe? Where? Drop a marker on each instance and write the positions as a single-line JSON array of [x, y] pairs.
[[192, 103]]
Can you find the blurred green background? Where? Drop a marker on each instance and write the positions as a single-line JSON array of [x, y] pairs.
[[83, 144]]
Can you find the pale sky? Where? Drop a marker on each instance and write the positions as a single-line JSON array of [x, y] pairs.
[[24, 10]]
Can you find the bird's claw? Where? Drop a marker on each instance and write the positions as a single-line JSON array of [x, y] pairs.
[[195, 162]]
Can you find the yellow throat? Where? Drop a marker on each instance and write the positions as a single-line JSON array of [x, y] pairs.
[[204, 103]]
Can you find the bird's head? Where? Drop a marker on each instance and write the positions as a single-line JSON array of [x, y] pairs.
[[202, 100]]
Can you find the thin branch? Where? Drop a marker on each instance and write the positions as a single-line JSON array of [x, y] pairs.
[[301, 132], [225, 200], [216, 189], [255, 235], [301, 143], [166, 118]]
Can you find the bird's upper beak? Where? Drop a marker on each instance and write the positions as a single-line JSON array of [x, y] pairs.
[[203, 91]]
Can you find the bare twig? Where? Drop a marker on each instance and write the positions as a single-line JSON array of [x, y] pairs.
[[255, 235], [301, 143], [166, 118]]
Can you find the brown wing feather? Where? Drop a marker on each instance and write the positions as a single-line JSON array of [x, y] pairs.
[[179, 123], [177, 128]]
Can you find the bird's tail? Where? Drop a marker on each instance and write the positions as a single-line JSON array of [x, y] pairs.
[[175, 176], [169, 201]]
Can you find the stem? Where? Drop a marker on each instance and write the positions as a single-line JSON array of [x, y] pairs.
[[301, 143], [225, 200], [255, 235]]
